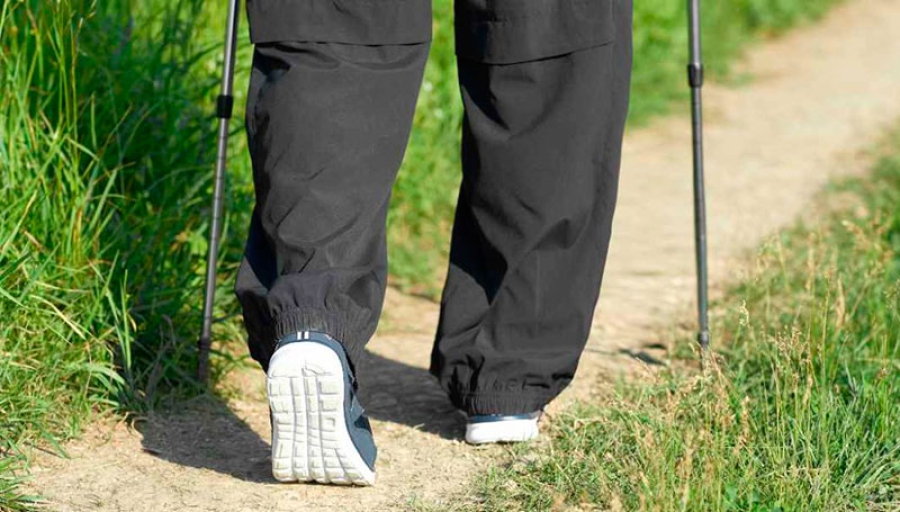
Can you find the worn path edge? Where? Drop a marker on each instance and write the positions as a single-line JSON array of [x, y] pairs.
[[819, 96]]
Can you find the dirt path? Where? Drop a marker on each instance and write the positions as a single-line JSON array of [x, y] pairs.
[[820, 95]]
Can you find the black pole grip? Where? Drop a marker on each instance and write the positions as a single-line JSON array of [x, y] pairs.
[[224, 106], [695, 74]]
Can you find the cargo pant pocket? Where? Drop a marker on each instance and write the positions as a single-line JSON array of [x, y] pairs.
[[511, 31]]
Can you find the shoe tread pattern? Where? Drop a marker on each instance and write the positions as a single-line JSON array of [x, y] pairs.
[[310, 439]]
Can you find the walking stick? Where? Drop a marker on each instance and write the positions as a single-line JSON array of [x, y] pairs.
[[695, 79], [224, 107]]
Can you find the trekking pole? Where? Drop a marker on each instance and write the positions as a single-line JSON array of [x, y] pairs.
[[224, 107], [695, 79]]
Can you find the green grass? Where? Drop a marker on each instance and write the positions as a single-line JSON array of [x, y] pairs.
[[106, 150], [11, 498], [800, 411], [103, 148]]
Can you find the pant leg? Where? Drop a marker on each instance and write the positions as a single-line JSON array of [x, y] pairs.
[[545, 88], [332, 95]]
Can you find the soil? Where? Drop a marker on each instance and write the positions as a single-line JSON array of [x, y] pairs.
[[819, 96]]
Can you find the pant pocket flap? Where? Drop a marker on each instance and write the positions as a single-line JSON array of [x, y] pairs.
[[510, 31]]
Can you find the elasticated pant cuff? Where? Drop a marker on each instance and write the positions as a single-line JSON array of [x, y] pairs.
[[347, 331], [500, 403]]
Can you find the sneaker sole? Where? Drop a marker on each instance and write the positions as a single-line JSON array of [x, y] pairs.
[[310, 440], [511, 431]]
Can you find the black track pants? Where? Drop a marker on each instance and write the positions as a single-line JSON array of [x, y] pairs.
[[332, 94]]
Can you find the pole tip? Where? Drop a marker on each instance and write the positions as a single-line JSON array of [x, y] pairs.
[[203, 360], [703, 339]]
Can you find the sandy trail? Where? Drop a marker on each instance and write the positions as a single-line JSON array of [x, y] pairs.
[[820, 95]]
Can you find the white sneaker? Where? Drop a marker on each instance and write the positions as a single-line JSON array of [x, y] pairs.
[[502, 429], [320, 432]]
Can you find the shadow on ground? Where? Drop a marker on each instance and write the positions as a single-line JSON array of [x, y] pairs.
[[207, 433], [396, 392]]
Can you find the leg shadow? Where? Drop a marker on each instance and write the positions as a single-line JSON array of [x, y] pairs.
[[207, 433], [399, 393]]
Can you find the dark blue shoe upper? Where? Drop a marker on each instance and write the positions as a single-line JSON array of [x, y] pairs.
[[354, 414]]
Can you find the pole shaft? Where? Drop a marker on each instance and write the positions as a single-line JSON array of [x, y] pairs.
[[695, 78], [223, 112]]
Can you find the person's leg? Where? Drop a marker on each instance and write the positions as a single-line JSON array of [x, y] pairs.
[[330, 106], [331, 101], [545, 87]]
